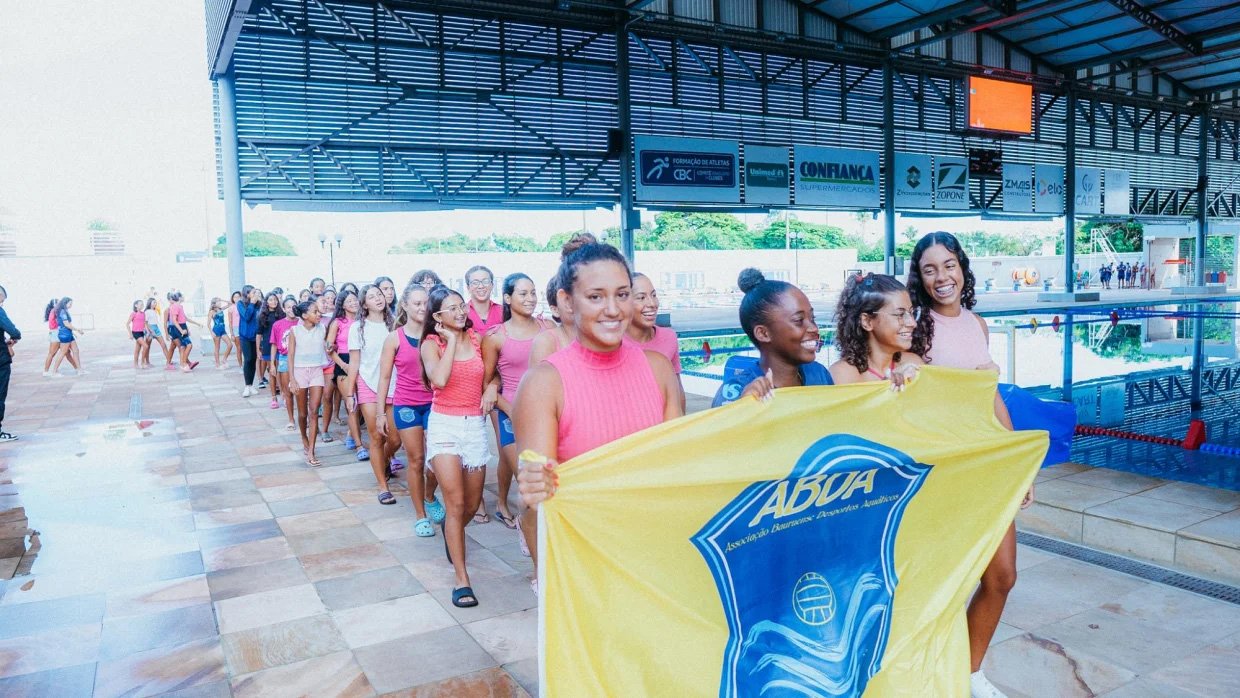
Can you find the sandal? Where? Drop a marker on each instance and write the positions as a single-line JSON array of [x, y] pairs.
[[482, 517], [312, 461], [422, 528], [363, 454], [328, 438], [435, 510], [464, 598], [509, 521], [386, 497]]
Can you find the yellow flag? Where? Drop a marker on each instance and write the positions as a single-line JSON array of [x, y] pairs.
[[822, 544]]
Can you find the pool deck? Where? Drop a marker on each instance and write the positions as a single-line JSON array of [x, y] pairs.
[[185, 549]]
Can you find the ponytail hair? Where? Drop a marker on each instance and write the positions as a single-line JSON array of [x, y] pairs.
[[510, 286]]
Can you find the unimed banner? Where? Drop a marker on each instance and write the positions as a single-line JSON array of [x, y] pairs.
[[822, 544]]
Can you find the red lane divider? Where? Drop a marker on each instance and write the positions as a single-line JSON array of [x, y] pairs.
[[1121, 434]]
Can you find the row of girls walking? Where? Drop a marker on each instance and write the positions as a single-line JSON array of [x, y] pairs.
[[601, 388]]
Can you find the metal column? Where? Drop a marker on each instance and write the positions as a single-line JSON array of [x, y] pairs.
[[1068, 337], [231, 181], [1203, 178], [1069, 198], [889, 164], [629, 219]]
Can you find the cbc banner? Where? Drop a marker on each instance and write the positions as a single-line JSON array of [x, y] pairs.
[[687, 170], [1048, 189], [914, 181], [1017, 188], [1116, 192], [951, 182], [836, 177], [1089, 190], [766, 175]]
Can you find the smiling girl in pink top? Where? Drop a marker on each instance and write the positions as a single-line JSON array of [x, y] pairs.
[[598, 389]]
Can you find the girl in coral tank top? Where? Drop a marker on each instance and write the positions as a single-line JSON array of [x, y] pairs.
[[596, 390], [949, 334]]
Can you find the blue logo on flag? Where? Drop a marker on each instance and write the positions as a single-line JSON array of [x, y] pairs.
[[805, 568]]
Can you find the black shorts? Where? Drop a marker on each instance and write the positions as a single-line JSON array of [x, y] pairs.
[[340, 372], [138, 335]]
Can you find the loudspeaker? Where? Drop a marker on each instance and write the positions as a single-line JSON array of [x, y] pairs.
[[615, 142]]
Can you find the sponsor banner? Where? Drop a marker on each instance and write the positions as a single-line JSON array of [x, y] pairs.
[[836, 177], [687, 169], [1088, 190], [914, 181], [766, 175], [811, 560], [1116, 193], [1048, 189], [951, 182], [1017, 188]]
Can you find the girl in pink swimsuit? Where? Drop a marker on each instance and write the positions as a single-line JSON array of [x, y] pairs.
[[506, 350], [643, 329], [598, 389], [949, 334]]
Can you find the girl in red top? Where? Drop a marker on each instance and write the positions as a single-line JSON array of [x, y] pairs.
[[456, 439], [137, 329], [598, 389]]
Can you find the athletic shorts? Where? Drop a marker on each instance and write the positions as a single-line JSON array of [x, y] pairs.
[[282, 363], [154, 331], [506, 436], [64, 336], [175, 333], [366, 395], [465, 437], [217, 331], [338, 372], [264, 350], [53, 337], [138, 335], [307, 377], [410, 416]]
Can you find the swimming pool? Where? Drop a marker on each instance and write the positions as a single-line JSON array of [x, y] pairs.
[[1128, 367]]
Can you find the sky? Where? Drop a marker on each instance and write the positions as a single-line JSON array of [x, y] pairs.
[[106, 112]]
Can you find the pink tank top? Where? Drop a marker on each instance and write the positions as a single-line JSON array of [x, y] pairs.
[[462, 396], [342, 334], [606, 396], [666, 343], [514, 361], [410, 390], [139, 321], [959, 342]]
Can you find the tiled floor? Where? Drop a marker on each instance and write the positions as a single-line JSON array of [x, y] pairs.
[[187, 550]]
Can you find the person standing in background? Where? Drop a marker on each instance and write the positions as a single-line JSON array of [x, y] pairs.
[[9, 335]]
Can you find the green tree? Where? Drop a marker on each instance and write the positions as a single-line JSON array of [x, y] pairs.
[[695, 231], [516, 243], [1128, 236], [804, 235], [258, 243]]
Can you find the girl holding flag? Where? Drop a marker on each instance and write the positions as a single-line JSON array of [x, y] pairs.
[[949, 334]]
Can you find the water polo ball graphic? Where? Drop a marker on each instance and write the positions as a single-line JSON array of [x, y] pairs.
[[813, 600]]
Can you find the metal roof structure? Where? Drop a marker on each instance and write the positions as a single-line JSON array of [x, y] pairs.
[[416, 104]]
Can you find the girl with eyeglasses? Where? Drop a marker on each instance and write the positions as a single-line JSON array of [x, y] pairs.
[[456, 440], [949, 334], [874, 332], [483, 312]]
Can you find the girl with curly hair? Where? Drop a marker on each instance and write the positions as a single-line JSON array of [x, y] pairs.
[[874, 332], [949, 334]]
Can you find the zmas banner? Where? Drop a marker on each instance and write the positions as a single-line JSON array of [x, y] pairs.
[[836, 177], [1017, 188], [822, 544], [687, 169]]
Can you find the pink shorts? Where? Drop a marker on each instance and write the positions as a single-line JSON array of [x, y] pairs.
[[309, 377], [366, 396]]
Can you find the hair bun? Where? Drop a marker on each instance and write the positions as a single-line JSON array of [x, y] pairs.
[[576, 242], [749, 279]]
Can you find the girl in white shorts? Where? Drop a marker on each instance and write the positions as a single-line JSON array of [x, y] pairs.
[[456, 438]]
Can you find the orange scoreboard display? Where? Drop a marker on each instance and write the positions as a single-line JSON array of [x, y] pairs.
[[999, 105]]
